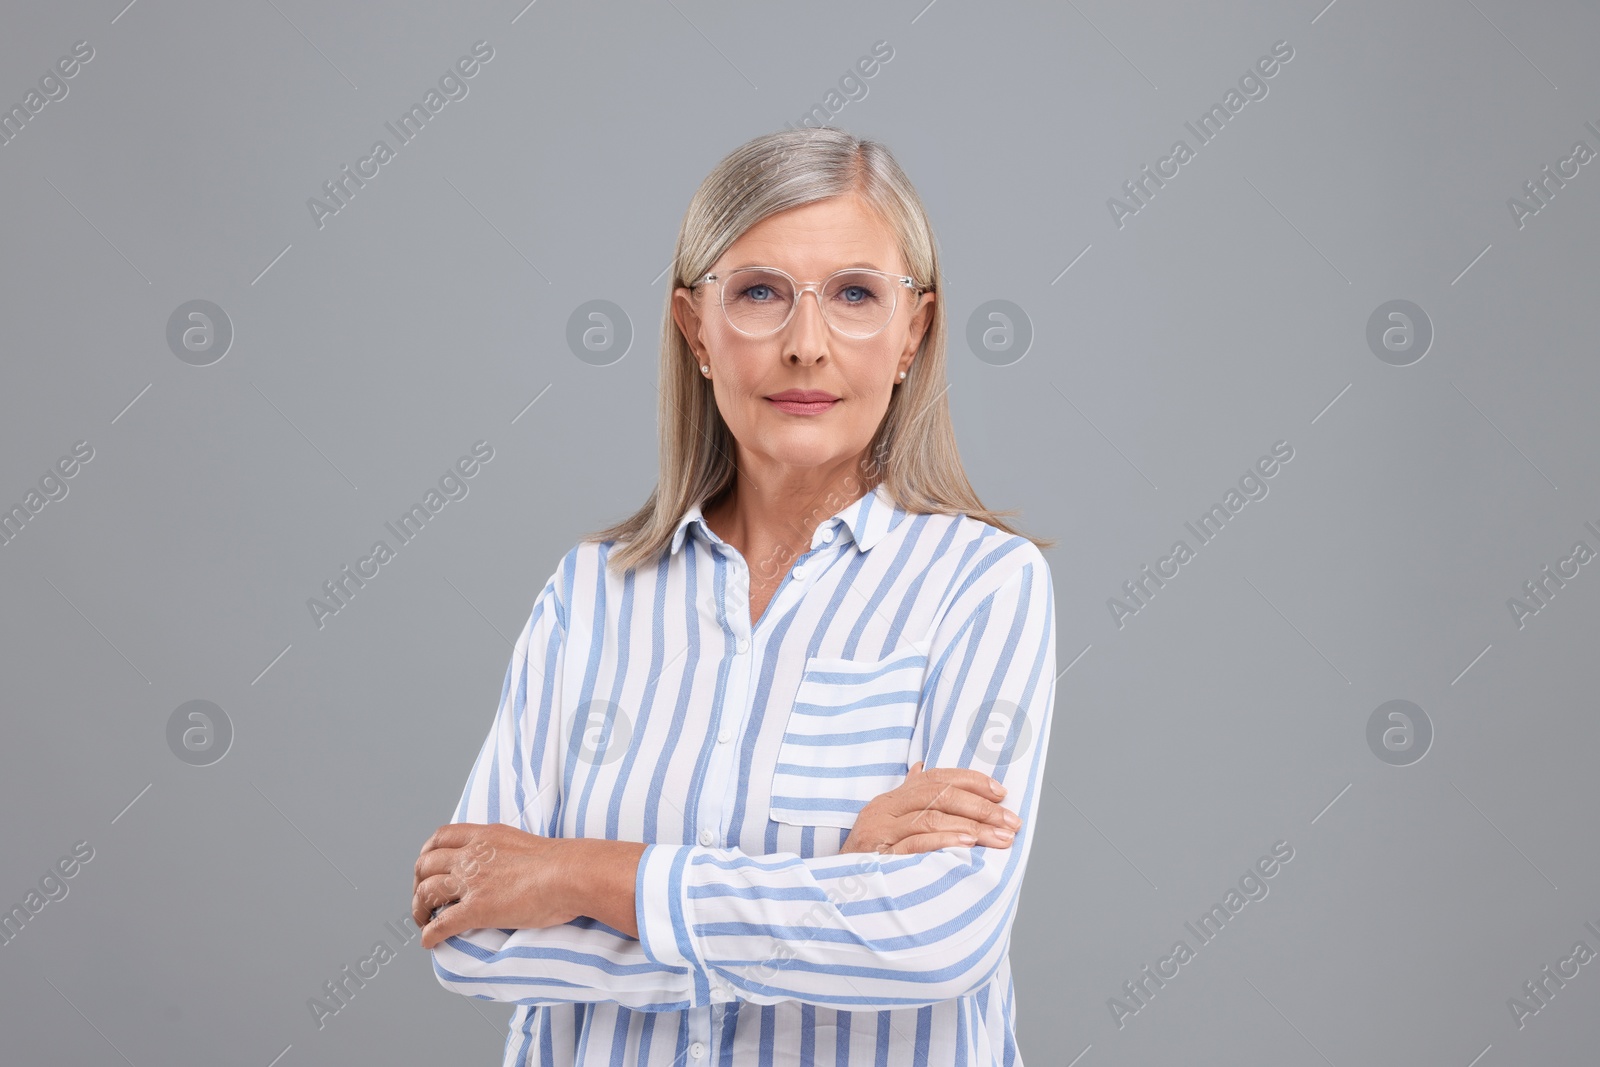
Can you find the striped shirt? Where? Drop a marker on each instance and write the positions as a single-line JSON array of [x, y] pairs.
[[646, 707]]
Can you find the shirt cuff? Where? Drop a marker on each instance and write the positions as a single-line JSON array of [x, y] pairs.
[[660, 903]]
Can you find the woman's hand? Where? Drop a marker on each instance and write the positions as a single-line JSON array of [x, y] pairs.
[[490, 875], [944, 807]]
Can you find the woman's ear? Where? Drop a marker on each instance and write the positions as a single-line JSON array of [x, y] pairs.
[[921, 317], [687, 315]]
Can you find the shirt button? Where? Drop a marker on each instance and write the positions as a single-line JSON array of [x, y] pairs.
[[800, 571], [743, 645], [697, 1050], [725, 736], [706, 837], [827, 536]]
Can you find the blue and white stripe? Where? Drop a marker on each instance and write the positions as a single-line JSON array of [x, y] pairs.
[[645, 707]]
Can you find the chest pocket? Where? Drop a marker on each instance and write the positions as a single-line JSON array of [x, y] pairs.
[[848, 737]]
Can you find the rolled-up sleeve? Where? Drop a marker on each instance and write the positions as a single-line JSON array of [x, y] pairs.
[[869, 931], [583, 961]]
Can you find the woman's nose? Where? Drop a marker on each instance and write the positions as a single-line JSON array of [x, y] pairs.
[[809, 325]]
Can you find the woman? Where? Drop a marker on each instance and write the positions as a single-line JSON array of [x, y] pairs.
[[701, 826]]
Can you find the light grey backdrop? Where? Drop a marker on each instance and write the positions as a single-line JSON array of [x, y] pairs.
[[1148, 357]]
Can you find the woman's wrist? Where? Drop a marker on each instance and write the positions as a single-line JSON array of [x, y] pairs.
[[596, 877]]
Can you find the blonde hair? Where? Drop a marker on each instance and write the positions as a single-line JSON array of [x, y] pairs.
[[914, 453]]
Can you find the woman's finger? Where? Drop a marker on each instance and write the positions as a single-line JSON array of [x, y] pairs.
[[917, 843], [451, 921], [936, 821], [967, 778], [430, 893], [925, 795], [432, 862]]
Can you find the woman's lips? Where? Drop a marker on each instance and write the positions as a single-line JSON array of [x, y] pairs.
[[803, 407]]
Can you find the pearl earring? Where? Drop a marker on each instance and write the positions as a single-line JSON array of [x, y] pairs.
[[707, 370], [902, 375]]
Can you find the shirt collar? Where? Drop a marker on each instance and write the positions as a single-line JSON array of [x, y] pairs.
[[867, 518]]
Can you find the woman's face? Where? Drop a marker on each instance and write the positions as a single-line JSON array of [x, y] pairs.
[[809, 243]]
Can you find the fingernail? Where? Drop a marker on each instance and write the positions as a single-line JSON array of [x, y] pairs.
[[967, 839], [999, 790], [1004, 835], [1011, 819]]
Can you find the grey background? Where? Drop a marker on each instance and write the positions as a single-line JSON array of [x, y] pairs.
[[1228, 314]]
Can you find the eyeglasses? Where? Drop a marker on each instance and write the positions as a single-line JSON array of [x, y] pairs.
[[857, 302]]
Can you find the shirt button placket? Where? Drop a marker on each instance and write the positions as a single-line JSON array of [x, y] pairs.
[[735, 618], [714, 798]]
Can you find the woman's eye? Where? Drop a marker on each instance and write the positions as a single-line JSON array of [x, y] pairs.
[[761, 292], [855, 294]]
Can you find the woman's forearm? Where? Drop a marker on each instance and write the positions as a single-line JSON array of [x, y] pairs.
[[598, 881]]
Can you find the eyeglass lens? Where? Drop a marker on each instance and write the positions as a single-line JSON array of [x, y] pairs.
[[856, 302]]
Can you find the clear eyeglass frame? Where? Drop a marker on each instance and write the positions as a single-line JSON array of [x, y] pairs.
[[816, 288]]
